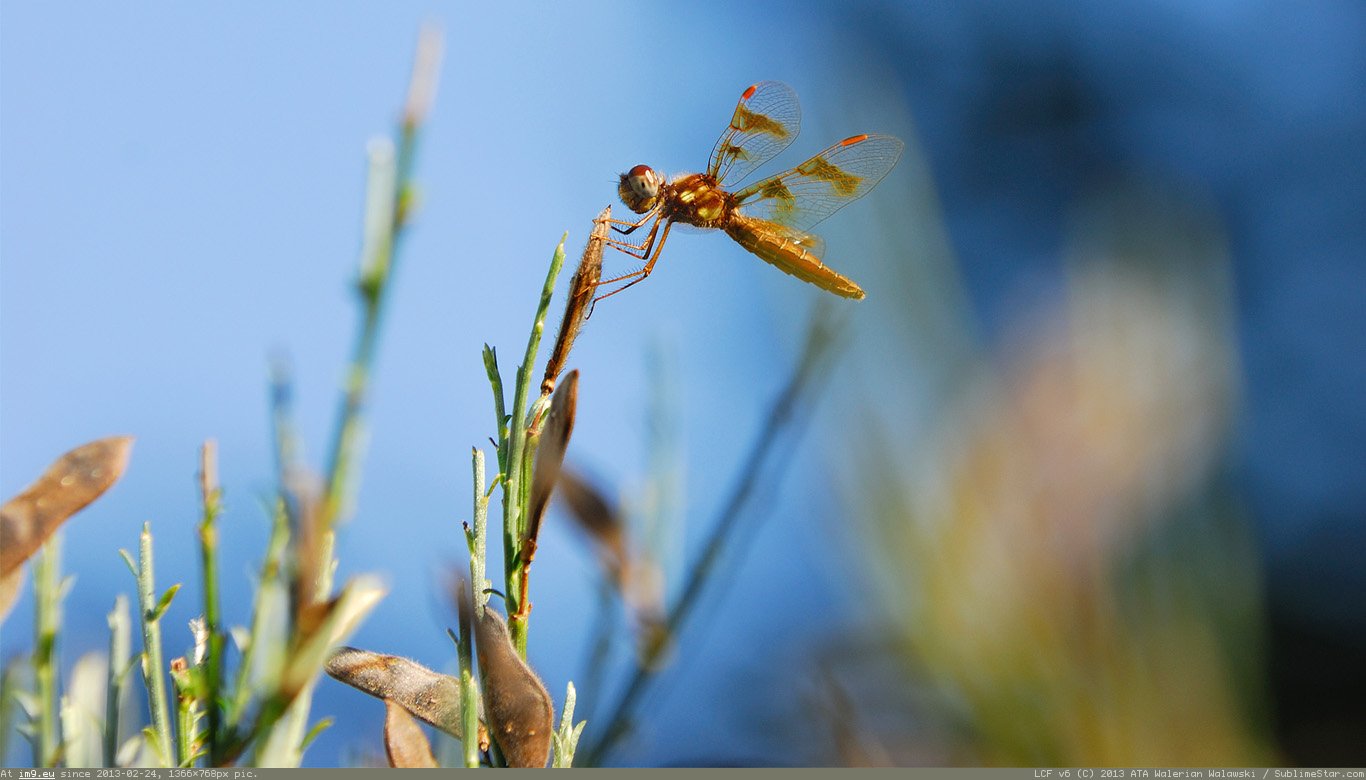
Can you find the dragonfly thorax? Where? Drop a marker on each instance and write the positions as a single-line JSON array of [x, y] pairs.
[[639, 188]]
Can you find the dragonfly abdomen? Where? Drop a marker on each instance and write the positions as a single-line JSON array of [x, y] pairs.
[[792, 251]]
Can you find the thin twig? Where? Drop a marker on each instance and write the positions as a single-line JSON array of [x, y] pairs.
[[208, 545], [388, 210], [781, 418]]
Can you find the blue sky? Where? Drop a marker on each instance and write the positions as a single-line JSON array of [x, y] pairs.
[[181, 196], [180, 199]]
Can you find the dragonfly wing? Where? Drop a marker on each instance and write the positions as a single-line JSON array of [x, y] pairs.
[[765, 121], [824, 184]]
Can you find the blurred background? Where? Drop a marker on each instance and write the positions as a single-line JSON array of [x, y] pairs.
[[1082, 485]]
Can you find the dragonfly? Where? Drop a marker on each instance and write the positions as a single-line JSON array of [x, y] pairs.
[[769, 217]]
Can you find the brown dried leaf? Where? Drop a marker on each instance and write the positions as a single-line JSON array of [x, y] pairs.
[[554, 440], [404, 743], [433, 697], [515, 699], [10, 585], [580, 301], [68, 485]]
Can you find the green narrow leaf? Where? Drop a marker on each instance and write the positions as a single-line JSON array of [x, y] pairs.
[[128, 559], [164, 603], [318, 728], [567, 738]]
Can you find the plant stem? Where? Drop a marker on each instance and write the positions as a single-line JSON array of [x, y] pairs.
[[345, 449], [120, 645], [479, 553], [185, 713], [471, 599], [499, 406], [388, 203], [153, 668], [517, 480], [781, 418], [208, 547], [48, 604]]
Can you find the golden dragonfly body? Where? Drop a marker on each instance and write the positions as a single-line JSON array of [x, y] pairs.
[[771, 216]]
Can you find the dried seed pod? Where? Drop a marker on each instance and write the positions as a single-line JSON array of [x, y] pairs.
[[582, 287], [554, 440], [431, 696], [515, 700], [68, 485], [404, 743]]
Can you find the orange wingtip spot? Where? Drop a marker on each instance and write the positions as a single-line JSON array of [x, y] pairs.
[[749, 93], [854, 139]]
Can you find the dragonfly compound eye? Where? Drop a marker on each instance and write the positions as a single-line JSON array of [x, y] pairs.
[[644, 181], [639, 188]]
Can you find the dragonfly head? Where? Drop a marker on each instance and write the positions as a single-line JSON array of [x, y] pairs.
[[639, 188]]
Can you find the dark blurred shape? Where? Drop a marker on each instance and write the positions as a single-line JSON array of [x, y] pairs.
[[1056, 550], [634, 576], [853, 742], [598, 520], [1257, 111]]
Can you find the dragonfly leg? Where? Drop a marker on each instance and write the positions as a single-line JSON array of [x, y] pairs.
[[630, 226], [639, 276], [641, 250]]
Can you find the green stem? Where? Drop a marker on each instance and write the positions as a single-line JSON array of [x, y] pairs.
[[473, 601], [469, 702], [185, 716], [153, 668], [479, 553], [120, 645], [48, 603], [517, 480], [390, 183], [213, 658], [499, 407]]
